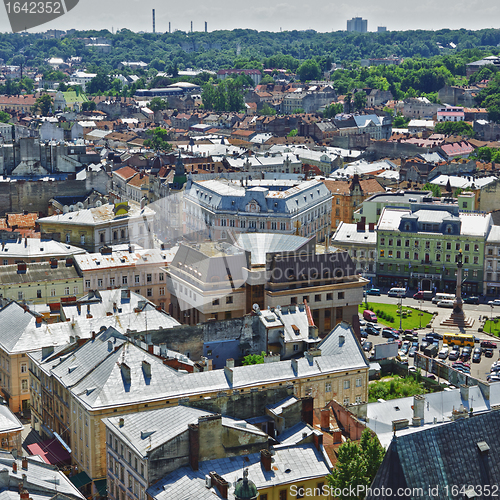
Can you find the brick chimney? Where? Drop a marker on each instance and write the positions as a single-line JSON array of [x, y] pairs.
[[25, 495], [194, 446], [265, 459], [14, 467], [220, 483], [151, 348], [308, 410], [24, 463], [325, 419]]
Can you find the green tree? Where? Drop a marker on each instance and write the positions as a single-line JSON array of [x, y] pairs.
[[267, 110], [158, 104], [4, 117], [292, 133], [360, 100], [309, 70], [99, 84], [434, 188], [332, 110], [455, 128], [357, 465], [400, 121], [158, 139], [267, 79], [88, 106], [43, 104], [254, 359]]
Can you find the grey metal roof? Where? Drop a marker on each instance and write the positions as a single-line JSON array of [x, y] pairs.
[[37, 272], [260, 244], [41, 478], [296, 434], [8, 421], [290, 464], [30, 248], [167, 383], [349, 234]]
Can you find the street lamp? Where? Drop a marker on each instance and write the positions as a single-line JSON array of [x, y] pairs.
[[420, 311], [400, 313], [491, 317]]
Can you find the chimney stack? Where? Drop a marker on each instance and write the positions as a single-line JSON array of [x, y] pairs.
[[121, 422], [24, 463], [127, 377], [220, 483], [325, 419], [146, 366], [151, 348], [14, 467], [265, 460]]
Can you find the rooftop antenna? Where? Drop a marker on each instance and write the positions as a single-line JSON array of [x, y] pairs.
[[154, 27]]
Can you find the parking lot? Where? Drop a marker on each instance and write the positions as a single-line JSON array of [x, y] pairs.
[[479, 370]]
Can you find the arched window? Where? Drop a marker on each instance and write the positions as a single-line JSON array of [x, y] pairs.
[[115, 235]]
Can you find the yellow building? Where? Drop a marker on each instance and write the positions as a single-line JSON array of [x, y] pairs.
[[41, 282], [108, 377], [109, 224]]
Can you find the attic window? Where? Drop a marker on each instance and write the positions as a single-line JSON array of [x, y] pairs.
[[397, 408], [275, 205], [483, 446]]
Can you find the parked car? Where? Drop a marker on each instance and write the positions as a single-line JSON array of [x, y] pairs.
[[412, 351], [465, 356], [370, 316], [443, 353], [488, 353], [367, 346], [372, 291], [454, 354], [402, 358], [405, 347], [364, 333], [423, 345], [489, 344], [362, 322], [388, 333], [371, 330], [472, 299], [476, 357], [494, 302], [423, 295], [445, 303]]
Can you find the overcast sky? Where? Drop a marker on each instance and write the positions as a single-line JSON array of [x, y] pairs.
[[266, 15]]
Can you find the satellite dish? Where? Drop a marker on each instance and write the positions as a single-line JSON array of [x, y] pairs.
[[98, 203], [71, 208], [79, 205], [65, 209], [256, 308]]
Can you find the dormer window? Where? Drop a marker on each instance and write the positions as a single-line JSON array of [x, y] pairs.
[[449, 229], [407, 226]]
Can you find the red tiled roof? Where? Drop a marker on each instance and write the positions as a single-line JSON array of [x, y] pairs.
[[125, 172], [22, 221]]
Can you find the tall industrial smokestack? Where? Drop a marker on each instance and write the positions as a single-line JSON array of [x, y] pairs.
[[169, 30], [191, 26], [206, 29], [154, 27]]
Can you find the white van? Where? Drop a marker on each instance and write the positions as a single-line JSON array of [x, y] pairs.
[[445, 303], [442, 296], [397, 292]]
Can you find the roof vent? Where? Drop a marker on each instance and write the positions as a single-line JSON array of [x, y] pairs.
[[483, 447], [146, 434]]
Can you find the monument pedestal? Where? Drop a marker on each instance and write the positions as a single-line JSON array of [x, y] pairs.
[[458, 320]]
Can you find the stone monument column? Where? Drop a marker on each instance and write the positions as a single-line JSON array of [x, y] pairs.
[[458, 304]]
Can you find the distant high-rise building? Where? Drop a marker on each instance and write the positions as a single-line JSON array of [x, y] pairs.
[[381, 29], [357, 24]]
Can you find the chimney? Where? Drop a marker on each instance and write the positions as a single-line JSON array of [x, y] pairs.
[[163, 350], [313, 332], [295, 366], [418, 410], [371, 226], [146, 367], [194, 446], [21, 268], [24, 463], [53, 263], [93, 335], [151, 348], [121, 422], [24, 495], [307, 410], [127, 377], [341, 340], [325, 419], [220, 483], [38, 321], [14, 467], [464, 392], [318, 441], [265, 460], [110, 345], [69, 262], [228, 372], [46, 351], [230, 362]]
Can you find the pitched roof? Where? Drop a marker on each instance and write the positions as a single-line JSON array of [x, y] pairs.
[[443, 456]]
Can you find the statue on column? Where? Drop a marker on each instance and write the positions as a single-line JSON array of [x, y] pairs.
[[458, 303]]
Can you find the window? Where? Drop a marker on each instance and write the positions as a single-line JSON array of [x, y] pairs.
[[407, 255], [24, 367], [273, 225], [52, 292], [130, 481], [75, 290], [447, 258], [243, 224], [162, 290], [427, 245], [161, 277], [347, 384], [466, 247], [137, 279], [68, 237], [398, 243], [99, 283], [262, 224], [38, 294], [328, 387], [124, 280], [346, 401], [415, 256], [457, 246], [474, 273], [122, 233], [476, 248], [149, 278], [111, 281], [215, 302], [149, 292], [438, 257], [283, 494], [229, 299], [82, 239], [115, 235], [329, 296], [87, 283], [359, 382], [317, 298], [448, 245], [300, 491], [476, 260], [358, 400], [382, 241], [101, 237], [416, 243], [407, 243], [390, 242], [398, 254], [295, 347], [381, 253], [66, 290], [263, 496]]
